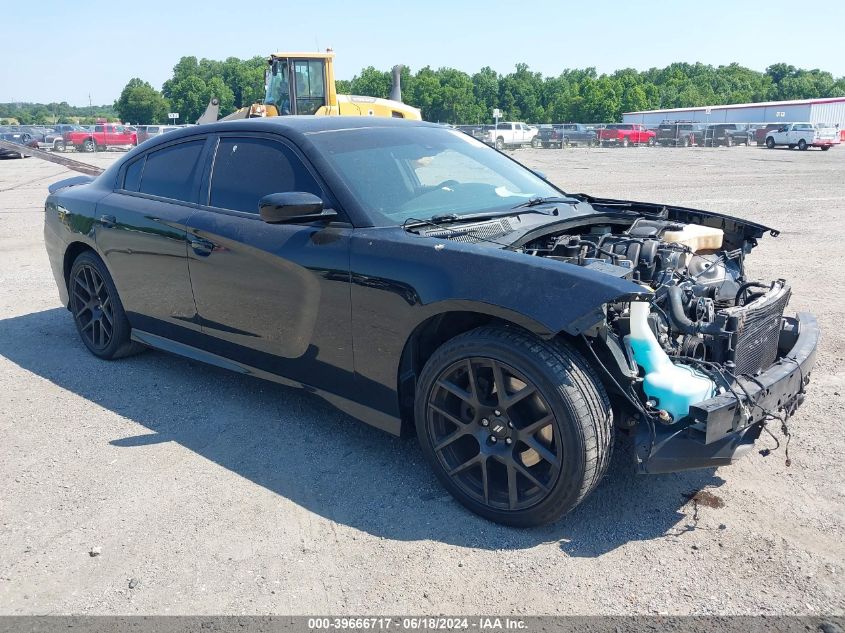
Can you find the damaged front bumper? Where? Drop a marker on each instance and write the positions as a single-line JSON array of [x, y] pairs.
[[724, 428]]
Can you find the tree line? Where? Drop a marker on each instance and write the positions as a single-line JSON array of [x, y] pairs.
[[48, 113], [449, 95]]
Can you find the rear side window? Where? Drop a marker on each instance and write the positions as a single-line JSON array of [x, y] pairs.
[[132, 177], [247, 169], [170, 172]]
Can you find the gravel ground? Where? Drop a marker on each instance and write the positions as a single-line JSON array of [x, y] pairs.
[[156, 485]]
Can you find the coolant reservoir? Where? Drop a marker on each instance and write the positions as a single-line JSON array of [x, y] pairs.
[[697, 237], [674, 387]]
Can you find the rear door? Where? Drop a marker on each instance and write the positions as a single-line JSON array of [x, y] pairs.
[[141, 231], [271, 296]]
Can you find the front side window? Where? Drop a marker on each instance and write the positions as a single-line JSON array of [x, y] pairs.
[[247, 169], [418, 172], [171, 172]]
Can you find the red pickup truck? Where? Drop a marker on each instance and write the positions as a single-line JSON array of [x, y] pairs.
[[625, 134], [104, 136]]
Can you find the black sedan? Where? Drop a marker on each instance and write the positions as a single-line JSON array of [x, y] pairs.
[[423, 281]]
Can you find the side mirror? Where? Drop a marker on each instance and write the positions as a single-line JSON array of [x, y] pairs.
[[293, 206]]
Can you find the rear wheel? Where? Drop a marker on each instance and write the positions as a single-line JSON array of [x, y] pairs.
[[97, 310], [518, 429], [729, 141], [625, 141], [535, 142], [500, 143], [770, 142], [89, 145], [802, 144], [825, 148], [651, 142], [59, 146]]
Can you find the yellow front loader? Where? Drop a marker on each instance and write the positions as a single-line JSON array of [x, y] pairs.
[[303, 83]]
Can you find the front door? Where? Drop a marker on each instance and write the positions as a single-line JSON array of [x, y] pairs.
[[271, 296]]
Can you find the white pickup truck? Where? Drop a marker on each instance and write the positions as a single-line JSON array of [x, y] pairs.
[[513, 134], [802, 136]]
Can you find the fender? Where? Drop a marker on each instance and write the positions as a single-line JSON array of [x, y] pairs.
[[400, 280]]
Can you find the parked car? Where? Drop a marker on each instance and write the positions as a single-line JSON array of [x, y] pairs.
[[418, 279], [625, 134], [104, 136], [679, 133], [803, 135], [512, 134], [727, 135], [11, 135], [149, 131], [562, 134]]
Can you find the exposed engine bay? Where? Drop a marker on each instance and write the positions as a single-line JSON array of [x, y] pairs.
[[705, 324]]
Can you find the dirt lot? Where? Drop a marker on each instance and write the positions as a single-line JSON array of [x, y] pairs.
[[208, 492]]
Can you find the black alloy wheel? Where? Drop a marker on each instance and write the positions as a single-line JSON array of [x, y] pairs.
[[97, 310], [92, 308], [505, 455], [517, 429]]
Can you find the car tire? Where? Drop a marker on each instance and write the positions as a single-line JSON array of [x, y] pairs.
[[651, 142], [58, 146], [488, 447], [729, 141], [825, 148], [89, 145], [624, 142], [500, 143], [685, 142], [535, 142], [770, 142], [802, 144], [97, 311]]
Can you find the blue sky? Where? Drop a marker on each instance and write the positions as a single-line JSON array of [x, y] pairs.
[[103, 44]]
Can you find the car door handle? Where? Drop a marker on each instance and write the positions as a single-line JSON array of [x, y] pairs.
[[201, 246], [108, 221]]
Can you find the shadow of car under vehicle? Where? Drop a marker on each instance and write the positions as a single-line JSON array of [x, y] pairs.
[[298, 446]]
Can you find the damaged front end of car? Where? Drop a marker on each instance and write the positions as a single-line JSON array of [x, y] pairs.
[[704, 358]]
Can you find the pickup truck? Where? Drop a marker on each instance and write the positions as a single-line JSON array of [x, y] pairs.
[[625, 134], [727, 134], [104, 136], [562, 134], [803, 135], [679, 133], [512, 134]]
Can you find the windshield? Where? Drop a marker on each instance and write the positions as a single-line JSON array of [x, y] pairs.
[[401, 173], [277, 86]]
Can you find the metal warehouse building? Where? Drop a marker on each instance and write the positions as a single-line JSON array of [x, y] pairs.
[[829, 111]]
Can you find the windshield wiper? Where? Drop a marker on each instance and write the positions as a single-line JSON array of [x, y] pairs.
[[539, 200]]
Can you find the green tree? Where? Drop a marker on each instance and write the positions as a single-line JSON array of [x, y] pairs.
[[141, 103]]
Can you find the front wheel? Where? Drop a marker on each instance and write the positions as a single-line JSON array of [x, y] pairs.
[[518, 429], [825, 148], [651, 142], [729, 141], [58, 146], [770, 142], [500, 143], [625, 142], [89, 145], [535, 142], [802, 144], [97, 310]]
